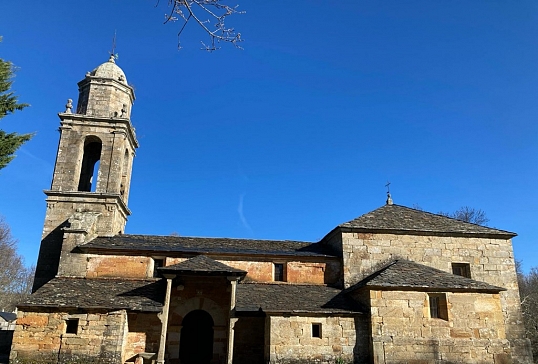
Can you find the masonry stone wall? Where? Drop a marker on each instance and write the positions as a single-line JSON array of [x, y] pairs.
[[403, 331], [491, 261], [249, 340], [144, 332], [309, 272], [119, 266], [291, 340], [40, 337]]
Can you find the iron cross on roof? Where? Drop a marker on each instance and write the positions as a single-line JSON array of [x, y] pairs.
[[389, 198]]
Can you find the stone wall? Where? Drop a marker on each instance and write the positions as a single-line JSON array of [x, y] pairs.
[[40, 337], [490, 260], [403, 331], [249, 340], [118, 266], [144, 333], [291, 340], [306, 271]]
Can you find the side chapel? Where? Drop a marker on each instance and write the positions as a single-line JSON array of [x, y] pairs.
[[395, 285]]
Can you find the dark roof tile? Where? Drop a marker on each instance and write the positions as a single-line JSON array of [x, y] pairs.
[[403, 274], [137, 295], [404, 219], [193, 245], [288, 298], [202, 265]]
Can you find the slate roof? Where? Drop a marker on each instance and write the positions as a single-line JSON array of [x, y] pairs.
[[202, 265], [288, 298], [398, 218], [8, 316], [404, 274], [194, 245], [137, 295]]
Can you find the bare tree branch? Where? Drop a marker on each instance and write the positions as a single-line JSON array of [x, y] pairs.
[[468, 214], [15, 278], [217, 14], [528, 291]]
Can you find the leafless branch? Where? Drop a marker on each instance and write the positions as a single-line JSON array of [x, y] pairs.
[[214, 26], [15, 278]]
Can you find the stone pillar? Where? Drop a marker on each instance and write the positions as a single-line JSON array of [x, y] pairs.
[[164, 318], [233, 320]]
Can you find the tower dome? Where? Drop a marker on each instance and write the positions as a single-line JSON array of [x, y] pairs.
[[105, 93], [110, 70]]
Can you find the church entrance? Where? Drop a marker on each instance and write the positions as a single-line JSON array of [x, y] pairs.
[[196, 345]]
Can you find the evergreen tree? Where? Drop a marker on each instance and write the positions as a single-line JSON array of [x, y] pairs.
[[9, 142]]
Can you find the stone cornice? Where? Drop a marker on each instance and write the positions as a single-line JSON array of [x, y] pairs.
[[68, 120], [88, 197]]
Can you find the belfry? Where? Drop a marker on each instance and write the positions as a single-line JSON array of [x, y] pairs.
[[92, 174]]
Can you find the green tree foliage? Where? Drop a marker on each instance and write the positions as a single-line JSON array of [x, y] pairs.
[[528, 292], [9, 142]]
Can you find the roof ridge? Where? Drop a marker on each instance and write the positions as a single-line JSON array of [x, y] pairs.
[[210, 237]]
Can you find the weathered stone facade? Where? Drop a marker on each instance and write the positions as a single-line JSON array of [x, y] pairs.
[[98, 338], [396, 285]]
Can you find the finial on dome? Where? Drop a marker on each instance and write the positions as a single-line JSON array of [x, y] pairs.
[[389, 198], [112, 58]]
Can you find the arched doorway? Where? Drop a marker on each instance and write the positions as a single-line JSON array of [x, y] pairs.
[[196, 346]]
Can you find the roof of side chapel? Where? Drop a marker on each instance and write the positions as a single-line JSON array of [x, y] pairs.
[[405, 274], [397, 218]]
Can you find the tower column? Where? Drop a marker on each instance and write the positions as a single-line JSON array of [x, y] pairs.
[[92, 173]]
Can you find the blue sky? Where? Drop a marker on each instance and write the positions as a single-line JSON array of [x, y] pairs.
[[301, 130]]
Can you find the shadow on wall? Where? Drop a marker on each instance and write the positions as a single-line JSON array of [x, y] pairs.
[[49, 257]]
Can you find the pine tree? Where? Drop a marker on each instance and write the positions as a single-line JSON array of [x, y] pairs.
[[9, 142]]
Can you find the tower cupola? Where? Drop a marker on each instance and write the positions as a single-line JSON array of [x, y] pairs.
[[104, 92]]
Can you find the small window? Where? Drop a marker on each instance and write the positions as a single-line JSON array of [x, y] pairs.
[[279, 275], [71, 326], [316, 330], [438, 307], [157, 263], [461, 269]]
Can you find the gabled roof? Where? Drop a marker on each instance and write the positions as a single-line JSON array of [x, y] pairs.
[[194, 245], [407, 275], [396, 218], [137, 295], [293, 298], [202, 265]]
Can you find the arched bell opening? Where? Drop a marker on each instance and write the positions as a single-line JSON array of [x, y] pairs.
[[90, 164]]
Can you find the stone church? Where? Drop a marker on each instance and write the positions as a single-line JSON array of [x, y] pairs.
[[395, 285]]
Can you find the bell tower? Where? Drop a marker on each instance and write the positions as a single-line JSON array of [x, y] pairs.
[[92, 174]]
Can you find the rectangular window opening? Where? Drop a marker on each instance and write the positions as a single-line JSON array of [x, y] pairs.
[[71, 326], [316, 330], [279, 273], [438, 306], [461, 269], [157, 263]]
